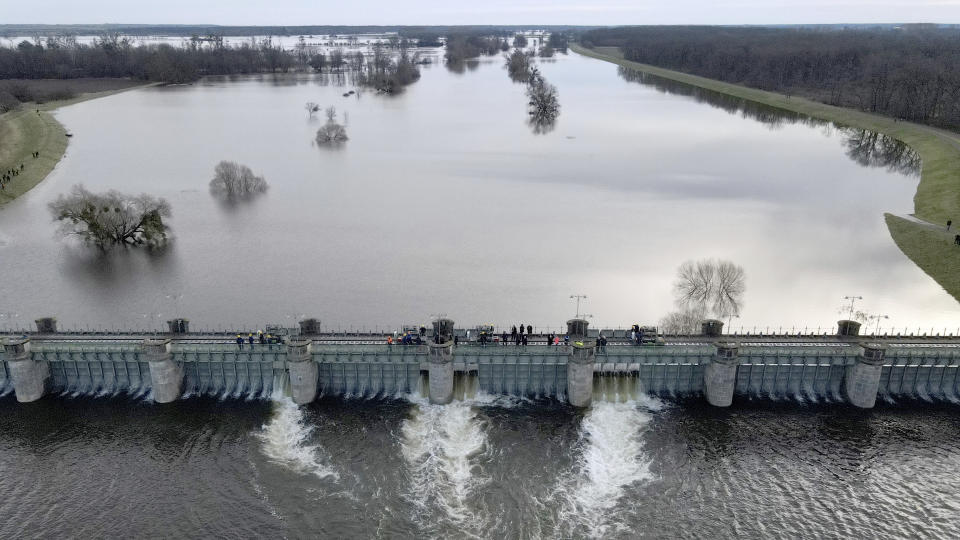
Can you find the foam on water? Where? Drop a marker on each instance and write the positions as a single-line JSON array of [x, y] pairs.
[[441, 444], [611, 459], [284, 438]]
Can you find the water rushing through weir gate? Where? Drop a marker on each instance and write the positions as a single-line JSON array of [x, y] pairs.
[[446, 450]]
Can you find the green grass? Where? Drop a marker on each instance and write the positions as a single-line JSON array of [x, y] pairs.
[[25, 131], [938, 195], [931, 248]]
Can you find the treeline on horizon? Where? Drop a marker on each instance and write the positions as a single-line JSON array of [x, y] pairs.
[[188, 30], [910, 72], [115, 56]]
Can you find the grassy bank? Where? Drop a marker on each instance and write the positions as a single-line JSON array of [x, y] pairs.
[[932, 248], [938, 194], [25, 131]]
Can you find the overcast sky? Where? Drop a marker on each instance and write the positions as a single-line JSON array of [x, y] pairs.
[[389, 12]]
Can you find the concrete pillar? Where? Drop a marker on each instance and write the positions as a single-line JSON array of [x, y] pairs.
[[303, 371], [720, 375], [848, 328], [309, 327], [30, 377], [46, 325], [861, 382], [441, 362], [166, 375], [711, 327], [580, 359]]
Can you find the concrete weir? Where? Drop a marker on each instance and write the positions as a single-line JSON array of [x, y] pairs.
[[166, 375], [818, 368]]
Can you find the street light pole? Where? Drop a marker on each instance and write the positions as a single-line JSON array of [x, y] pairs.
[[578, 297], [852, 300]]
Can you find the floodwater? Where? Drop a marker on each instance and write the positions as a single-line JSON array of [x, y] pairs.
[[482, 468], [445, 200]]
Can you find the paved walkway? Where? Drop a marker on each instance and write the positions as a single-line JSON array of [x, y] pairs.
[[932, 226]]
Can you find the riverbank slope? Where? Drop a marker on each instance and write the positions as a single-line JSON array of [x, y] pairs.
[[34, 129], [938, 193]]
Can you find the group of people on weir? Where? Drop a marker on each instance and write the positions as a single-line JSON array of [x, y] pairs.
[[521, 336], [261, 338]]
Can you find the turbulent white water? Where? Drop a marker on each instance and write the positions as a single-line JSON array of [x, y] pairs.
[[284, 438], [611, 460], [440, 445]]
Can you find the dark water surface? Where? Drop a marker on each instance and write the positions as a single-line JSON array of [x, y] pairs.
[[445, 201], [399, 468]]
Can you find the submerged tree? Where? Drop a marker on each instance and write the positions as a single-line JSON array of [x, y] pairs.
[[311, 108], [543, 105], [104, 219], [234, 180], [331, 132], [518, 65]]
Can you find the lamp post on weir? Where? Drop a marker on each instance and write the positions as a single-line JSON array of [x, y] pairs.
[[853, 300], [578, 297], [876, 331]]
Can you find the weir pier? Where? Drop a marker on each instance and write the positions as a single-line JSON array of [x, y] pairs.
[[449, 362]]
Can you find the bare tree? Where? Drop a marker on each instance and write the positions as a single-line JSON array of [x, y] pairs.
[[683, 322], [331, 132], [710, 287], [234, 180], [311, 108], [104, 219], [336, 59]]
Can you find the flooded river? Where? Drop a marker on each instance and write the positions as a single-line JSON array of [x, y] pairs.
[[444, 200]]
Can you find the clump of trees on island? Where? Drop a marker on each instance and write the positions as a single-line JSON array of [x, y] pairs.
[[111, 218], [908, 72], [233, 180], [704, 289]]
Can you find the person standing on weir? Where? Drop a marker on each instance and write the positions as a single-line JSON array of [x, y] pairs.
[[529, 330], [239, 342]]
